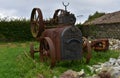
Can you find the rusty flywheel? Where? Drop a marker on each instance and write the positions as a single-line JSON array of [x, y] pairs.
[[57, 13], [47, 51], [37, 24]]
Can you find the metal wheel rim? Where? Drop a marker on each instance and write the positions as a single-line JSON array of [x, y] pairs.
[[87, 49], [37, 24], [32, 50], [51, 50], [56, 13]]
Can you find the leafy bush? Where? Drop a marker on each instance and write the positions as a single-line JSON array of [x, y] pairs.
[[15, 30], [94, 16]]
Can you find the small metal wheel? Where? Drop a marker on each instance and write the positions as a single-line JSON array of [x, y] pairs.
[[37, 24], [32, 50], [47, 51], [86, 49]]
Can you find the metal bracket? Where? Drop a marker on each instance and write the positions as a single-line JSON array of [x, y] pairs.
[[65, 5]]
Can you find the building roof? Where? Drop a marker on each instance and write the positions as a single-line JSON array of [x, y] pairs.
[[106, 19]]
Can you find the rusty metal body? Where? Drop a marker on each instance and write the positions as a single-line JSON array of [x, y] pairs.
[[64, 39], [61, 41], [100, 44]]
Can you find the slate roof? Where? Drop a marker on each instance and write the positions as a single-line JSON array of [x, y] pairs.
[[106, 19]]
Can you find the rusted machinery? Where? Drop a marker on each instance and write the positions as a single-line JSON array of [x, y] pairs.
[[100, 44], [59, 38]]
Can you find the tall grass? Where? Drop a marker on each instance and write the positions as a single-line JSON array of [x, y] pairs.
[[16, 63]]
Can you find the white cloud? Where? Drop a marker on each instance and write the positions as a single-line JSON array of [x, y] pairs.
[[23, 8], [8, 13]]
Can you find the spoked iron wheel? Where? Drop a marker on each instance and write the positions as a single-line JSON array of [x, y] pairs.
[[47, 51], [32, 50], [37, 24], [86, 49]]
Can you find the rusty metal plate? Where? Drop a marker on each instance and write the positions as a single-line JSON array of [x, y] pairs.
[[71, 43]]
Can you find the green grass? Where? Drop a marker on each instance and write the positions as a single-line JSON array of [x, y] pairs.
[[16, 63]]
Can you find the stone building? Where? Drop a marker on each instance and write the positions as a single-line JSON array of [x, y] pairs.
[[106, 26]]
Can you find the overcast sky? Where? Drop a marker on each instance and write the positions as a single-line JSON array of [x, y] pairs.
[[23, 8]]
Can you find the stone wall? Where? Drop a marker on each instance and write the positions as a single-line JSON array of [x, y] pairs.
[[102, 31]]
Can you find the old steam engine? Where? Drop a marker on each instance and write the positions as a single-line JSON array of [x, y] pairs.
[[59, 38]]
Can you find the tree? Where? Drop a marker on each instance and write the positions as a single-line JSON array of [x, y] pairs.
[[94, 16]]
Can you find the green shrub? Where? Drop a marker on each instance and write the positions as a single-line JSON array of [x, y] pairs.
[[15, 30]]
